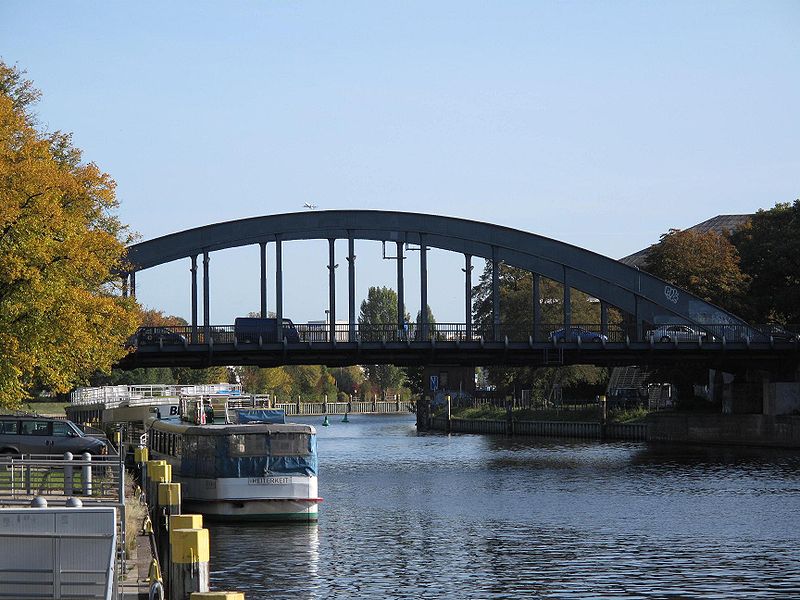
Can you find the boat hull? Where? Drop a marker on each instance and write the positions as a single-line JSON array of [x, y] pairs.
[[283, 498], [255, 510]]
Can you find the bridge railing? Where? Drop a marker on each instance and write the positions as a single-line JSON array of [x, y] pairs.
[[172, 336]]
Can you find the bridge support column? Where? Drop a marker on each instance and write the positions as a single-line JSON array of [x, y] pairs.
[[206, 299], [193, 270], [133, 284], [468, 294], [351, 288], [401, 308], [124, 285], [495, 295], [423, 287], [567, 303], [536, 287], [279, 288], [603, 318], [332, 290], [263, 246]]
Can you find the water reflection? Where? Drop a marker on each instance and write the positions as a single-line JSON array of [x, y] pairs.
[[434, 516]]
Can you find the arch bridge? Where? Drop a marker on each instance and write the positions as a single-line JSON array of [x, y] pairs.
[[647, 302]]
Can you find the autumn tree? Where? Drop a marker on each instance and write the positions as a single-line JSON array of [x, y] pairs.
[[769, 246], [703, 263], [61, 316]]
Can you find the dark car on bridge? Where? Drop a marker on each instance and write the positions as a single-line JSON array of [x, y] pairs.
[[573, 334], [147, 336], [252, 329]]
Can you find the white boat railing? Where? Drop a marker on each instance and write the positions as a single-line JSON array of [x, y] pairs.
[[125, 393]]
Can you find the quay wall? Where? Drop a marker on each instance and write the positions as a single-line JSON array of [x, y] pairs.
[[561, 429], [744, 430], [780, 431]]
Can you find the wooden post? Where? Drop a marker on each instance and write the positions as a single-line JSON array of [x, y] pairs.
[[603, 416], [189, 568]]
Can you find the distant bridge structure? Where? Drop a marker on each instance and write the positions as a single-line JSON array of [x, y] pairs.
[[645, 300]]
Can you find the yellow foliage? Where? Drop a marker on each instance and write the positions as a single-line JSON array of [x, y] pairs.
[[61, 315]]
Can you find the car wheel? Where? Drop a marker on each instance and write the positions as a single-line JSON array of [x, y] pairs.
[[665, 338], [597, 340]]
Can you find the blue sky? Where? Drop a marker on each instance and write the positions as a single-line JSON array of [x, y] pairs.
[[602, 124]]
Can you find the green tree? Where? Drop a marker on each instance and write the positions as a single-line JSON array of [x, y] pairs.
[[378, 317], [703, 263], [61, 314], [769, 246], [349, 379], [516, 317]]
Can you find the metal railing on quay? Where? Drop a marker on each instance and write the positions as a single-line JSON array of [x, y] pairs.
[[98, 478], [58, 480]]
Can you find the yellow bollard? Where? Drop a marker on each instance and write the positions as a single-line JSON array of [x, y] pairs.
[[190, 555], [154, 574], [169, 497], [140, 455], [185, 522]]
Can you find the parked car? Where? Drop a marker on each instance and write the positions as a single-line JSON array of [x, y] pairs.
[[153, 335], [250, 329], [776, 332], [680, 333], [31, 434], [572, 334]]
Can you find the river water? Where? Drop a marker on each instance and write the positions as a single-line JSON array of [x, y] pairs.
[[470, 516]]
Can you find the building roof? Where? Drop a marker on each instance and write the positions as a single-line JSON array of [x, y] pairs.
[[719, 224]]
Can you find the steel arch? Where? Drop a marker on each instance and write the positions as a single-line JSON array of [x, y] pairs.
[[631, 290]]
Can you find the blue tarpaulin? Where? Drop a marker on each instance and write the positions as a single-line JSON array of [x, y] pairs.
[[260, 415]]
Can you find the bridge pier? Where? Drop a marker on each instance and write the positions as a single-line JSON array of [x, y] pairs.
[[278, 285], [536, 289], [423, 287], [332, 289], [495, 295], [351, 286], [206, 298], [193, 270], [263, 278], [401, 309], [468, 294]]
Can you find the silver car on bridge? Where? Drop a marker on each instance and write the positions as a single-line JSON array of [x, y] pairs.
[[679, 333]]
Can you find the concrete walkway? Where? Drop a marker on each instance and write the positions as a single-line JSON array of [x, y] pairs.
[[135, 584]]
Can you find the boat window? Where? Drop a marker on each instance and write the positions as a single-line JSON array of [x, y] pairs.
[[252, 444], [190, 445], [206, 455], [288, 444]]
